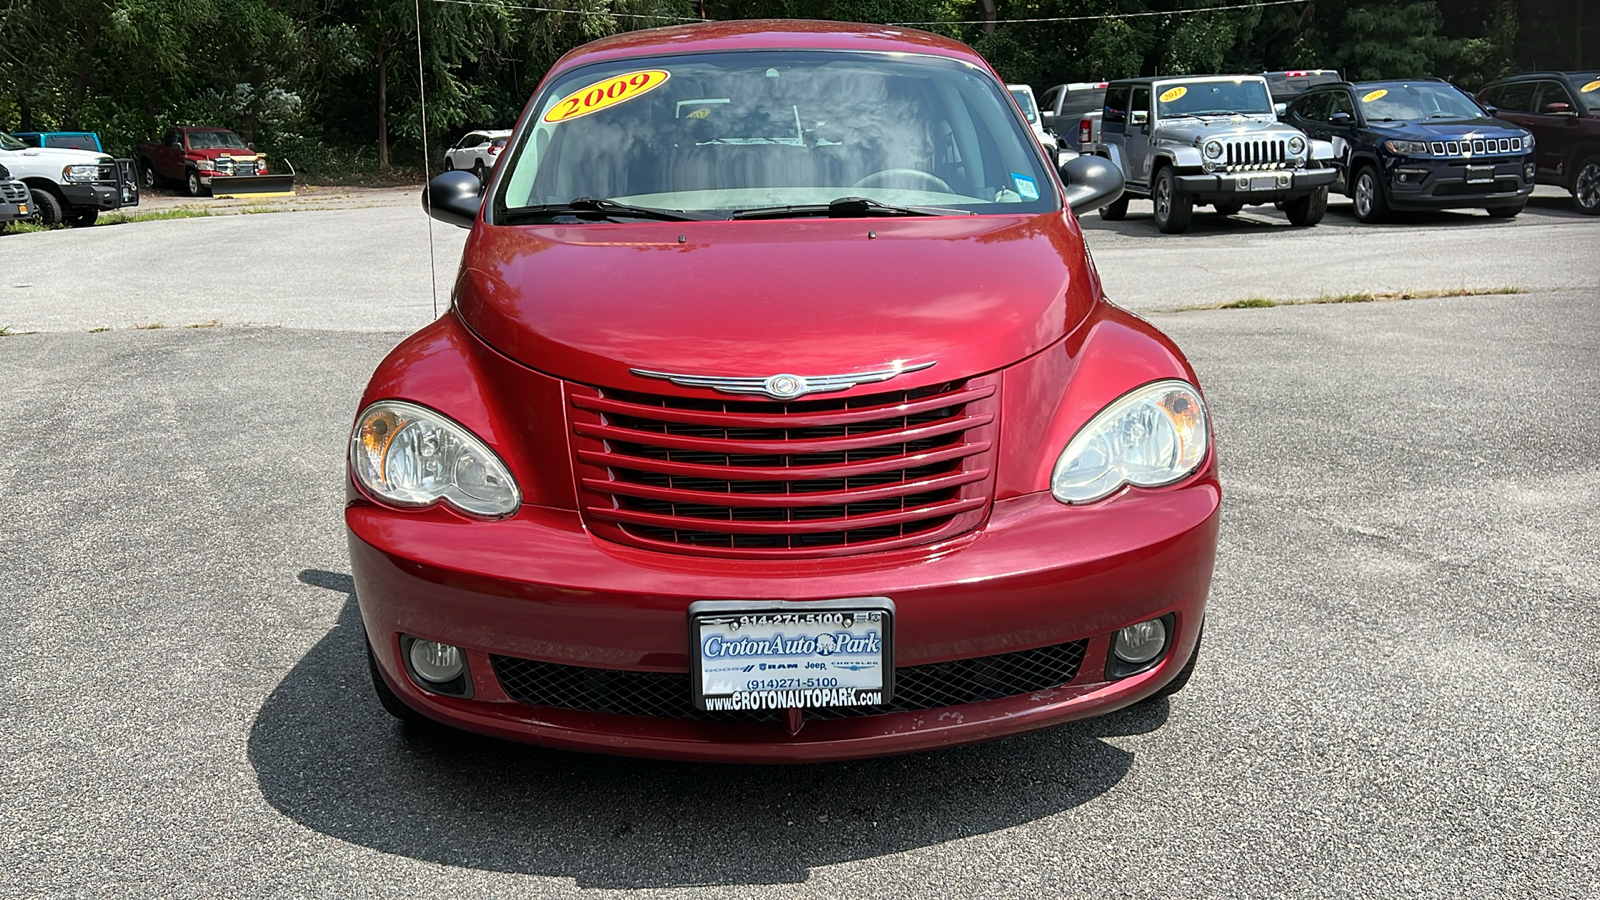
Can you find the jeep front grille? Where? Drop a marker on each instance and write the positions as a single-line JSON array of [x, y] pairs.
[[1254, 154], [771, 479], [1476, 147]]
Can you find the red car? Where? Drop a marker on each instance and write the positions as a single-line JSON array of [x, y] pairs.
[[779, 416]]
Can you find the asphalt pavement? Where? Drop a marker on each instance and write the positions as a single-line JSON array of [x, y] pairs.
[[1399, 693]]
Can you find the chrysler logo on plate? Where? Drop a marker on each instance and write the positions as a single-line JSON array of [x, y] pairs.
[[784, 386]]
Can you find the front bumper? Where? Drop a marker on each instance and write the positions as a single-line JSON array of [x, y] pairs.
[[1421, 184], [1256, 187], [539, 587], [94, 196]]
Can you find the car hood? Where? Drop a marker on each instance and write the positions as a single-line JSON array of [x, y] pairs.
[[1448, 129], [1189, 130], [57, 155], [588, 302]]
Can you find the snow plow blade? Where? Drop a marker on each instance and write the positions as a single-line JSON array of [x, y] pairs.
[[230, 186]]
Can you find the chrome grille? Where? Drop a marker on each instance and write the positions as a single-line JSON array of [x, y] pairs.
[[14, 191], [812, 477], [1475, 147], [229, 166], [1246, 155]]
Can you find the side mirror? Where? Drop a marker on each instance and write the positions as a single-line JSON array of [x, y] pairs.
[[1092, 182], [1339, 118], [454, 197], [1279, 109], [1490, 108], [1138, 117], [251, 147]]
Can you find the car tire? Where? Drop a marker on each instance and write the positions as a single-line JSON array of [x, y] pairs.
[[1182, 678], [46, 209], [83, 218], [1506, 212], [1367, 193], [1307, 211], [478, 170], [388, 699], [449, 164], [1115, 211], [191, 183], [1228, 208], [148, 174], [1173, 207], [1586, 185]]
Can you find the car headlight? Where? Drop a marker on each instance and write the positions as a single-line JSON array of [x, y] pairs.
[[1407, 148], [206, 165], [1213, 149], [80, 173], [1297, 145], [1527, 142], [409, 455], [1151, 436]]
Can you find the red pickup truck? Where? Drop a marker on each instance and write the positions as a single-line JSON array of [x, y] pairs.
[[208, 158]]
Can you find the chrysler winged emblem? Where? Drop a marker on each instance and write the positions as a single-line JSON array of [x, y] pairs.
[[783, 386]]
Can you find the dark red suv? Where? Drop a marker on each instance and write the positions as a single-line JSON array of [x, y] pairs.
[[1562, 109]]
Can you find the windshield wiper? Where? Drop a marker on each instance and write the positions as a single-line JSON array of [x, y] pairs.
[[606, 209], [846, 208]]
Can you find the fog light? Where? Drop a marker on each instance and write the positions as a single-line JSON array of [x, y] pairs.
[[1527, 172], [1140, 643], [436, 662]]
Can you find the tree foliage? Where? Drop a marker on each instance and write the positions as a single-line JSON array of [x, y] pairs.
[[335, 84]]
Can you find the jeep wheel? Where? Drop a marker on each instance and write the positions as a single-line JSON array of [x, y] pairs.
[[1371, 206], [191, 183], [1307, 211], [1229, 207], [46, 209], [1506, 212], [1586, 186], [1173, 207], [1115, 211]]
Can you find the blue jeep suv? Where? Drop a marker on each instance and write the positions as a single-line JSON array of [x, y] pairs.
[[1417, 145]]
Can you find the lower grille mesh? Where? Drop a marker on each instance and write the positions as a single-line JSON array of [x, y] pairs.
[[666, 695]]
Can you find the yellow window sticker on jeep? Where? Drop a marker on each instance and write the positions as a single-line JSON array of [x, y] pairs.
[[700, 113], [1378, 94], [606, 94], [1590, 88], [1171, 94]]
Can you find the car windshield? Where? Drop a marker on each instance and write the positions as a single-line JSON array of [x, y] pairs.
[[1206, 98], [1398, 102], [1587, 87], [716, 133], [7, 142], [214, 140], [1024, 100]]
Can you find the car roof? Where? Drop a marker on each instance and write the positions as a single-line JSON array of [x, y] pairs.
[[1540, 76], [764, 34], [1153, 79]]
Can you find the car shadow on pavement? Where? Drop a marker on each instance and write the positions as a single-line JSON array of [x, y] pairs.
[[327, 756]]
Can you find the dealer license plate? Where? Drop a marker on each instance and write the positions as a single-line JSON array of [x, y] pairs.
[[782, 654], [1480, 174], [1263, 182]]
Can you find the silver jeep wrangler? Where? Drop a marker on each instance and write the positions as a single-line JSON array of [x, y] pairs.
[[1210, 139]]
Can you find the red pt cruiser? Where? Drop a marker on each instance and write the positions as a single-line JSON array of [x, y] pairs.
[[779, 416]]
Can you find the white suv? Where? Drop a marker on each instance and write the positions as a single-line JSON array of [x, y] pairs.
[[477, 152]]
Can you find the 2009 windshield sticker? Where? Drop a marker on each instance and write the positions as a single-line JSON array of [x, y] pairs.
[[1378, 94], [1171, 94], [1025, 186], [1590, 88], [606, 94]]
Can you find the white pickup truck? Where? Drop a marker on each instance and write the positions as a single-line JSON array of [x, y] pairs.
[[69, 186]]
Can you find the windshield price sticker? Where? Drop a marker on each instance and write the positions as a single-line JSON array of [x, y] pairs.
[[792, 657], [1378, 94], [606, 94], [1590, 88], [1171, 94]]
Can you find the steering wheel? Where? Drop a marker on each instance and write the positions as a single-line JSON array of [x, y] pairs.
[[877, 179]]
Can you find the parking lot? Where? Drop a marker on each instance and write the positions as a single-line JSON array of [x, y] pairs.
[[1398, 694]]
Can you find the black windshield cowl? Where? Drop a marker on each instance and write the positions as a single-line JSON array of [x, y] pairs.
[[846, 208], [594, 207]]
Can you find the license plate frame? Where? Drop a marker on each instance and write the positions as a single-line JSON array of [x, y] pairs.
[[838, 677], [1263, 182], [1480, 174]]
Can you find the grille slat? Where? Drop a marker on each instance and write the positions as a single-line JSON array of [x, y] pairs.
[[666, 695], [1245, 154], [763, 478]]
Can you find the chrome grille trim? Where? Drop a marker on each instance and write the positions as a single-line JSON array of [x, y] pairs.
[[1254, 154], [1475, 147]]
